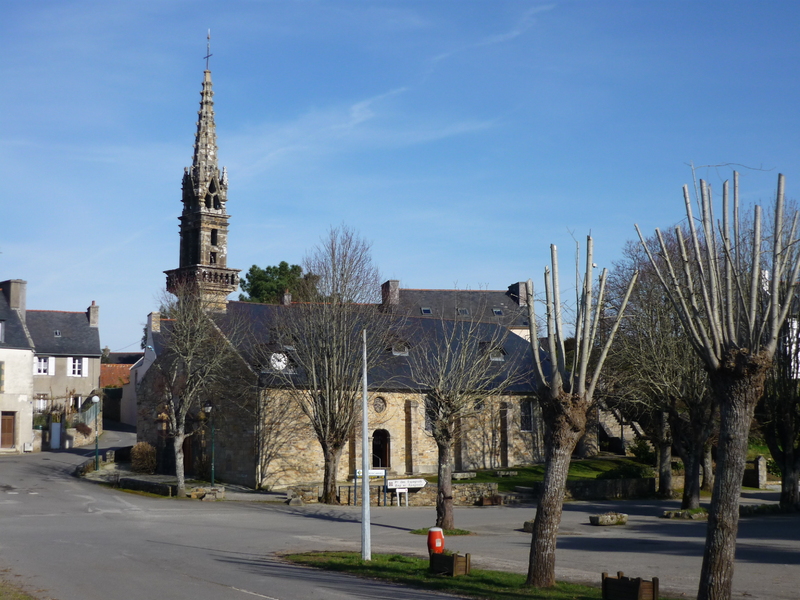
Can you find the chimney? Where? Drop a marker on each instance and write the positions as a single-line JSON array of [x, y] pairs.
[[390, 292], [93, 312], [519, 293], [15, 290], [154, 322], [286, 299]]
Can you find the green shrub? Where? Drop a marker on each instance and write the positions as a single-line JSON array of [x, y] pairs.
[[629, 470], [773, 468], [644, 452], [143, 458]]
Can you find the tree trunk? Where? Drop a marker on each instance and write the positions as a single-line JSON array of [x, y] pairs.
[[708, 470], [562, 438], [444, 497], [790, 478], [664, 456], [738, 387], [331, 455], [691, 484], [665, 469], [180, 472]]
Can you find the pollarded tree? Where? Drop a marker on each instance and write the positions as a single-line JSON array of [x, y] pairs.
[[778, 412], [653, 373], [319, 348], [458, 364], [566, 390], [726, 290]]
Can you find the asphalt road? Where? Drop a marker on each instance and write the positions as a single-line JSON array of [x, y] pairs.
[[69, 539]]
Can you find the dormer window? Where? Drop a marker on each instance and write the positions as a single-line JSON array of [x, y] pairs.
[[426, 310], [463, 312], [400, 349], [497, 355], [495, 352], [497, 312]]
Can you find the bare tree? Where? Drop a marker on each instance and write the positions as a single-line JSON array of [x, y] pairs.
[[196, 357], [318, 354], [457, 363], [778, 412], [566, 396], [655, 377], [726, 291]]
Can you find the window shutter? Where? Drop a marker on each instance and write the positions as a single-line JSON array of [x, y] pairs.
[[51, 365], [84, 367]]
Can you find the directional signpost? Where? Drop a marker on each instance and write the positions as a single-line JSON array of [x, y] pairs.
[[400, 486]]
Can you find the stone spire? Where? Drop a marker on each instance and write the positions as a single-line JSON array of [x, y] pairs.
[[204, 220], [204, 162]]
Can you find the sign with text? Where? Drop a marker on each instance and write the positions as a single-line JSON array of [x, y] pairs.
[[372, 473], [406, 483]]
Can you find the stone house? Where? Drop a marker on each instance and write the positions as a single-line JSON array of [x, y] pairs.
[[261, 438], [61, 377]]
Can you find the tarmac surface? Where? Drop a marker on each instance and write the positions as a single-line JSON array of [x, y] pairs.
[[70, 539]]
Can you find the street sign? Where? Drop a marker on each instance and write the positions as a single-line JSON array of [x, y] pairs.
[[372, 472], [406, 483]]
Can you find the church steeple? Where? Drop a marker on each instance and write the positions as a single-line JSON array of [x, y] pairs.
[[204, 220]]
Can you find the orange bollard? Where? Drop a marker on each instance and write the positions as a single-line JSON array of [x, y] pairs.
[[435, 540]]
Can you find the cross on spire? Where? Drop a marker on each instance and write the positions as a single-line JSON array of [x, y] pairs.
[[208, 48]]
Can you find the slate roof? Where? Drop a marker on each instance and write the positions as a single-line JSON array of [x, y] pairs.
[[395, 372], [77, 337], [480, 305], [123, 358], [14, 335]]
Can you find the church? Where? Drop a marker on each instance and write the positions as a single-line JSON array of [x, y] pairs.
[[261, 438]]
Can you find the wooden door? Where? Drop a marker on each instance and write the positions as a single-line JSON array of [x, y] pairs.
[[7, 429]]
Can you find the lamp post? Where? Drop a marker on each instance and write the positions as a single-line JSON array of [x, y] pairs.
[[96, 402], [208, 410]]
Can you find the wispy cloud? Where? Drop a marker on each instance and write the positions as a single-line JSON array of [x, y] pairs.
[[364, 125], [525, 23]]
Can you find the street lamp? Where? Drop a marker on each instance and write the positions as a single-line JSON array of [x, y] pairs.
[[208, 410], [95, 402]]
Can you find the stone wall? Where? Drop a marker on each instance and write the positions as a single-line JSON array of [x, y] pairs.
[[491, 437], [755, 473], [464, 494]]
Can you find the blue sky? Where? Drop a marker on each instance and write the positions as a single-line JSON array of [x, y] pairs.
[[461, 137]]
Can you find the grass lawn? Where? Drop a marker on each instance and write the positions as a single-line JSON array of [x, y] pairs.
[[527, 475], [413, 572], [8, 591], [446, 532]]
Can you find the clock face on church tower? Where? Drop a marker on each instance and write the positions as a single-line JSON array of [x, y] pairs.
[[279, 361]]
